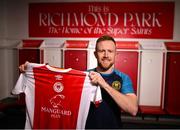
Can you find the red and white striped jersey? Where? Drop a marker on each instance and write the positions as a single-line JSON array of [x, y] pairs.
[[56, 98]]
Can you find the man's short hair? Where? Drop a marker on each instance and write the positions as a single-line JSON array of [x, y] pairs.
[[104, 38]]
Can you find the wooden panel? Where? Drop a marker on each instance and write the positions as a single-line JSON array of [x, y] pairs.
[[172, 96], [127, 62], [151, 74], [76, 59]]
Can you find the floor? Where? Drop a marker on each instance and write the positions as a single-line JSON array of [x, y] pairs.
[[151, 122], [12, 116]]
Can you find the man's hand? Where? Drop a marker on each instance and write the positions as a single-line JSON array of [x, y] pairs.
[[96, 78], [23, 67], [127, 102]]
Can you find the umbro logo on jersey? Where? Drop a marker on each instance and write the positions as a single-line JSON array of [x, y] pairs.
[[58, 77]]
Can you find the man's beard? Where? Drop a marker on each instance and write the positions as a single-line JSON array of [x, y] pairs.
[[105, 68]]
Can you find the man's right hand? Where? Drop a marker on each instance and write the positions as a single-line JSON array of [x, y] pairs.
[[97, 79], [23, 67]]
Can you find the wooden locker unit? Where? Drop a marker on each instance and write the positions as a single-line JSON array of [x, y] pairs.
[[29, 51], [52, 53], [75, 54], [127, 60], [172, 92], [151, 89], [92, 61]]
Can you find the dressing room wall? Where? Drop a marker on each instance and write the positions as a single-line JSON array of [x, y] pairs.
[[14, 28]]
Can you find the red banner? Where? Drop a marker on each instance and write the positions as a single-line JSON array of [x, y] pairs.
[[93, 19]]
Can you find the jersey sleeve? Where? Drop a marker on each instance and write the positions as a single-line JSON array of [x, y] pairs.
[[20, 84], [96, 97], [90, 93], [127, 86], [24, 78]]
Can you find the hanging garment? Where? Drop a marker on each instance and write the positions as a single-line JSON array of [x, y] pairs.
[[56, 98]]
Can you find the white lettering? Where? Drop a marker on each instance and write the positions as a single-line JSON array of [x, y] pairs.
[[146, 19], [93, 18], [99, 19], [56, 111], [110, 19], [43, 19], [143, 31], [141, 20], [117, 31], [52, 19], [128, 17], [155, 20]]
